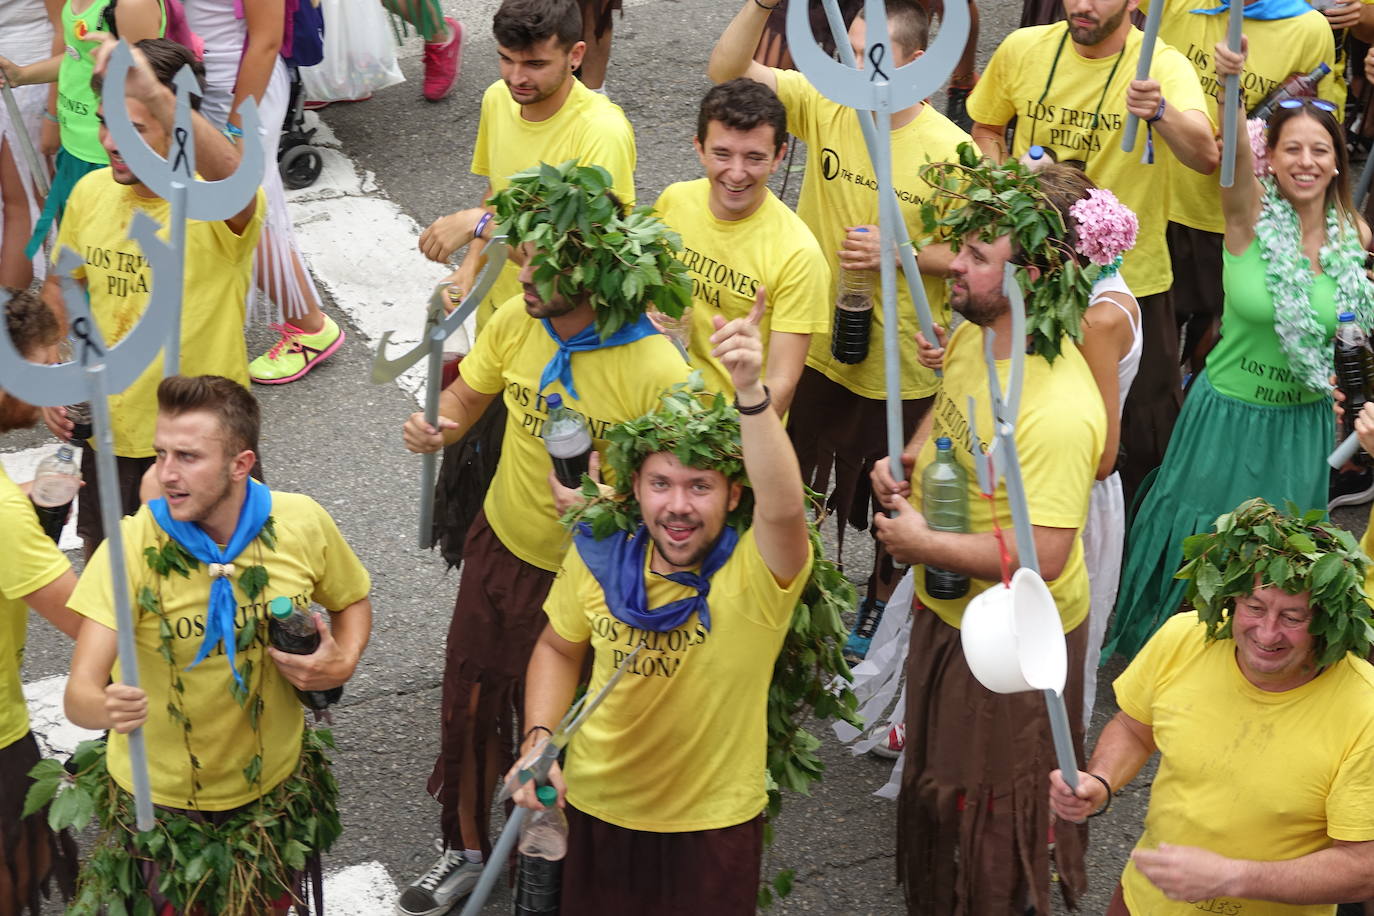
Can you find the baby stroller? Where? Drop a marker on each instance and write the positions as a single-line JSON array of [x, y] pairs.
[[298, 161]]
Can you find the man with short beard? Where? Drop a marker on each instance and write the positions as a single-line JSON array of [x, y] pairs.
[[1070, 87], [973, 822], [36, 575], [531, 348], [537, 112], [114, 272]]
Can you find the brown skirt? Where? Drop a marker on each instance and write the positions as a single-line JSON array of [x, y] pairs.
[[31, 855], [496, 621], [610, 869], [602, 10], [772, 50], [973, 817]]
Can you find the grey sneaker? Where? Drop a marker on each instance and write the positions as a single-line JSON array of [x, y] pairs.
[[436, 891]]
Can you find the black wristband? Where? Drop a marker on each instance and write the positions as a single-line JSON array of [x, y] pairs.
[[765, 6], [762, 405], [1159, 112], [536, 728], [1108, 786]]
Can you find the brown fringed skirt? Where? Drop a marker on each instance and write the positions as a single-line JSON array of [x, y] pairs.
[[973, 817], [32, 857]]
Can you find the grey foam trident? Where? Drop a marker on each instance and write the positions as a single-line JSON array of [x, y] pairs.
[[173, 178], [875, 92], [95, 374], [437, 330], [1002, 462]]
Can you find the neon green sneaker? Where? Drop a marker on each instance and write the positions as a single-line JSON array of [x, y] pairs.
[[296, 353]]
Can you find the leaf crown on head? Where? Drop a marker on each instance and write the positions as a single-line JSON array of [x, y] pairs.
[[586, 247], [977, 196], [699, 428], [1256, 546]]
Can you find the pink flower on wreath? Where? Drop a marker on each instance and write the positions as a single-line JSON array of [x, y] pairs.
[[1106, 227], [1259, 146]]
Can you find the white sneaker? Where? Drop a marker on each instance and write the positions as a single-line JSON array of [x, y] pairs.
[[891, 747], [436, 891]]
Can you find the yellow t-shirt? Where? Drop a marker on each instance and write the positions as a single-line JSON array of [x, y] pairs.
[[1019, 74], [31, 562], [616, 384], [679, 743], [839, 191], [1060, 433], [589, 128], [1278, 48], [1243, 772], [219, 269], [729, 259], [312, 562]]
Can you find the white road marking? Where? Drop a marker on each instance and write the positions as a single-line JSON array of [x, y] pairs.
[[56, 736], [360, 890], [20, 466]]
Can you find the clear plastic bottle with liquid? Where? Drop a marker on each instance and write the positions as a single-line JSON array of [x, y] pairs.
[[543, 844], [1354, 366], [944, 500], [1296, 86], [55, 485], [293, 631], [853, 314], [569, 442]]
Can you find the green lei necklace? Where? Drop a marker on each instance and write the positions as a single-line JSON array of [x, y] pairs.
[[1288, 274]]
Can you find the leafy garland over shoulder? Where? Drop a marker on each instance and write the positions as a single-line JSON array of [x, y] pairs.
[[587, 247], [996, 199], [702, 430], [1297, 553]]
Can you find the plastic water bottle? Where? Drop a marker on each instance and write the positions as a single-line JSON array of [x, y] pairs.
[[291, 630], [944, 500], [853, 314], [543, 844], [1354, 366], [1037, 157], [55, 485], [80, 415], [569, 442], [1296, 86]]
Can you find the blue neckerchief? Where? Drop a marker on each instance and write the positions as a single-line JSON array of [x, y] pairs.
[[1264, 9], [219, 616], [617, 563], [560, 367]]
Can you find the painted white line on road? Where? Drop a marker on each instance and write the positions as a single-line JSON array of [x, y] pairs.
[[56, 736], [20, 466], [360, 890]]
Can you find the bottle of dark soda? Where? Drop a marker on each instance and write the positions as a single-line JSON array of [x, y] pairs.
[[543, 844], [55, 485], [853, 314], [291, 630], [80, 415], [569, 442], [944, 501], [1354, 366], [1296, 86]]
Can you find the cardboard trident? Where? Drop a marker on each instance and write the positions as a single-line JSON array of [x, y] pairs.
[[438, 328], [875, 93], [172, 178], [1002, 463]]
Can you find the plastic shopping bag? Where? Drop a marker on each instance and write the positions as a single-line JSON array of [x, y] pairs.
[[359, 53]]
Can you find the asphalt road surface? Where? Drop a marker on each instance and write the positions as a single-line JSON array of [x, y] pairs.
[[394, 164]]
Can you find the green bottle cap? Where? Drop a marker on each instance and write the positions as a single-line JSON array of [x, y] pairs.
[[281, 607], [547, 795]]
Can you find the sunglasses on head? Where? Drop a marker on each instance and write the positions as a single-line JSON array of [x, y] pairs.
[[1320, 104]]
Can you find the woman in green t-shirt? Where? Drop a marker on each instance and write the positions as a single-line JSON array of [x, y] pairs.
[[1258, 419], [73, 103]]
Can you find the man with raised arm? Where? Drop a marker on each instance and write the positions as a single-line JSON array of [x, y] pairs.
[[1070, 87], [665, 784], [839, 419]]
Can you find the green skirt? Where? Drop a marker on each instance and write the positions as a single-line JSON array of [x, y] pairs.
[[1223, 451]]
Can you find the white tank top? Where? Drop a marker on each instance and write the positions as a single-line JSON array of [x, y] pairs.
[[25, 31], [1130, 363]]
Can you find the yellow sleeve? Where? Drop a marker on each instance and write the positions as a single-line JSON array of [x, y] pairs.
[[483, 367], [800, 297], [236, 246], [1180, 639], [772, 604], [93, 596], [610, 143], [1350, 803], [564, 606], [481, 156], [32, 560], [343, 580], [1178, 81], [1059, 449], [991, 101], [799, 97], [68, 228]]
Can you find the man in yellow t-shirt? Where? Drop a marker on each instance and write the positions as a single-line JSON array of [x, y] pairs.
[[119, 280], [537, 112], [35, 575], [737, 236], [838, 420], [213, 516], [1297, 42], [533, 347], [1070, 87], [1263, 803], [669, 775], [971, 754]]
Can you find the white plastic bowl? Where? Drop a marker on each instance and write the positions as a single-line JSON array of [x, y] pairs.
[[1013, 638]]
